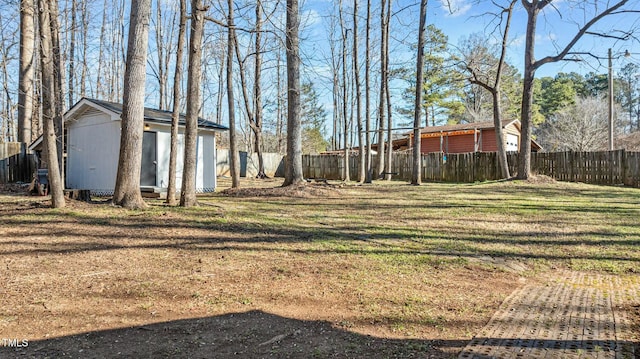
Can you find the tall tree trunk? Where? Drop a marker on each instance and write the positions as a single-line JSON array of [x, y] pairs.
[[367, 106], [221, 86], [188, 193], [293, 168], [123, 50], [127, 189], [416, 175], [389, 156], [27, 67], [497, 123], [49, 107], [162, 80], [58, 85], [335, 140], [72, 53], [524, 160], [279, 112], [99, 77], [85, 35], [36, 123], [497, 96], [362, 176], [346, 176], [383, 81], [175, 114], [234, 156], [257, 92]]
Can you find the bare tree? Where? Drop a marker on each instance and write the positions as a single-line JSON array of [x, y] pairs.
[[346, 176], [279, 103], [416, 176], [233, 145], [254, 115], [85, 40], [8, 42], [356, 71], [381, 103], [161, 74], [367, 96], [293, 168], [534, 7], [27, 69], [101, 46], [335, 83], [188, 193], [127, 189], [256, 126], [579, 127], [387, 93], [50, 111], [480, 77], [58, 68], [72, 53], [164, 29], [175, 114]]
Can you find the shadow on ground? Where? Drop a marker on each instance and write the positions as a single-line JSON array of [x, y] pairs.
[[253, 334]]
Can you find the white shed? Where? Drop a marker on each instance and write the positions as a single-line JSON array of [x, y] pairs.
[[93, 145]]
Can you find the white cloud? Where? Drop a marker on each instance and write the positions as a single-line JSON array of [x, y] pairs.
[[455, 8], [517, 41], [310, 18]]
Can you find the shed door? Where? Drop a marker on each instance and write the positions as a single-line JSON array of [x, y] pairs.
[[149, 170]]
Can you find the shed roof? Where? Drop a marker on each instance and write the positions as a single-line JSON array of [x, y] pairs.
[[150, 114], [114, 108]]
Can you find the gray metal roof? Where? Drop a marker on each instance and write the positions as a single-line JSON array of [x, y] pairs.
[[157, 116]]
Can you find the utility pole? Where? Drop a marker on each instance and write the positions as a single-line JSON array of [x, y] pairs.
[[610, 101]]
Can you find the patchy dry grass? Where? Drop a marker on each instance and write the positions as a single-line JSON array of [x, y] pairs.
[[423, 267]]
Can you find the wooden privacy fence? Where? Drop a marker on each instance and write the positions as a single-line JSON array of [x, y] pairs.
[[15, 164], [608, 168]]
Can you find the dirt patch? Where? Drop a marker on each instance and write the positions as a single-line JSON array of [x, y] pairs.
[[303, 190], [633, 314], [535, 179], [92, 280], [538, 179]]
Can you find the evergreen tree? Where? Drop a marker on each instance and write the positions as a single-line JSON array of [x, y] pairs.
[[442, 82], [314, 117]]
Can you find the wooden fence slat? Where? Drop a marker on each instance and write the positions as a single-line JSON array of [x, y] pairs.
[[15, 164], [607, 168]]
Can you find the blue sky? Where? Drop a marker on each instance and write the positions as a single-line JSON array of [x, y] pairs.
[[556, 26], [460, 18]]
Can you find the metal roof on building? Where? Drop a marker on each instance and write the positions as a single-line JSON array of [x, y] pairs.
[[153, 115]]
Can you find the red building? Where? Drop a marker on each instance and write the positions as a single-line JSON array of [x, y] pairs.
[[468, 137]]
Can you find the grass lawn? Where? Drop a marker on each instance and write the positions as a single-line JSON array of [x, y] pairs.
[[383, 270]]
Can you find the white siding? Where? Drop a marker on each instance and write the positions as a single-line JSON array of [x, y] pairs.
[[164, 148], [205, 161], [93, 148]]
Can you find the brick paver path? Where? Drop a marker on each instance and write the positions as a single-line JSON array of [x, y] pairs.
[[574, 315]]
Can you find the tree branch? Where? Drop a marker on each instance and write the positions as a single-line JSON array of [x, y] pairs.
[[578, 36]]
